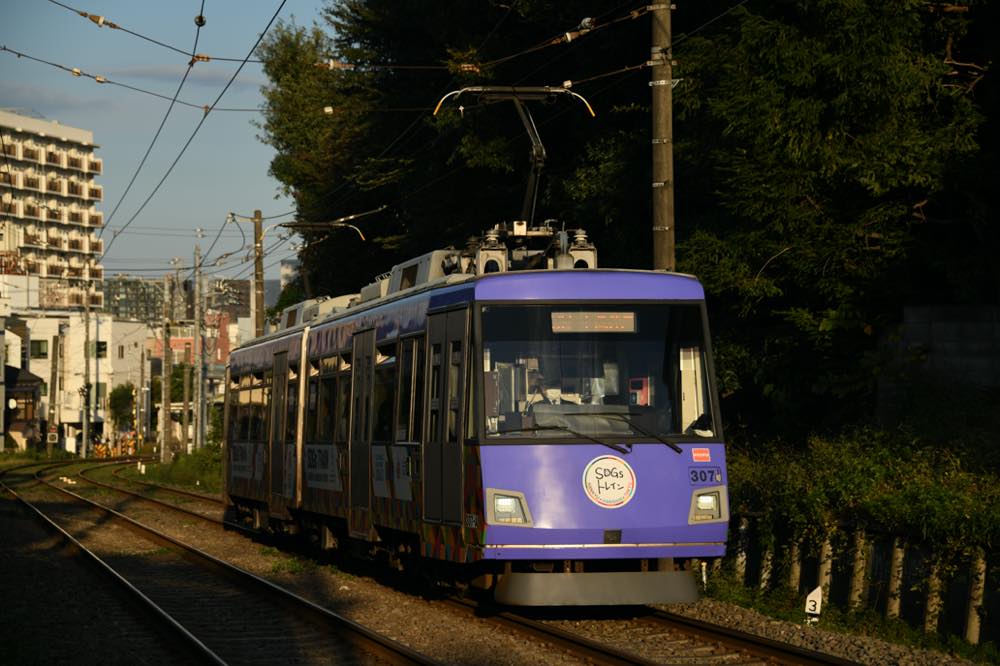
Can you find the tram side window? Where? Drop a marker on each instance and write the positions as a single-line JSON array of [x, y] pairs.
[[342, 415], [416, 432], [291, 403], [325, 410], [312, 404], [384, 392], [411, 374], [435, 394], [265, 408], [234, 408], [454, 399], [243, 428]]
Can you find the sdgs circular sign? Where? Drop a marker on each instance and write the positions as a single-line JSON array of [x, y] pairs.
[[609, 482]]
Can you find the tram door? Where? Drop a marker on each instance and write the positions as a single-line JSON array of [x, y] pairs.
[[361, 433], [446, 353]]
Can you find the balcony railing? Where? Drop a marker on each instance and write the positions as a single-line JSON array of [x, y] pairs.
[[97, 166], [75, 245], [96, 219], [97, 299], [75, 189], [34, 239], [74, 272], [96, 245], [57, 242], [32, 182], [31, 154], [53, 270], [9, 147], [74, 162], [31, 211], [54, 214], [31, 267], [55, 185], [96, 193], [8, 208], [6, 178], [52, 157], [76, 217]]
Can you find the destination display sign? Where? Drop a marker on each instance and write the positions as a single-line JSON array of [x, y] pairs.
[[593, 322]]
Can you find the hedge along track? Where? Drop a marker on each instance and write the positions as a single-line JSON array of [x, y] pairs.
[[226, 614]]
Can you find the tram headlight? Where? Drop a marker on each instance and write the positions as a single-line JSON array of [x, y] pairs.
[[708, 502], [708, 505], [507, 508]]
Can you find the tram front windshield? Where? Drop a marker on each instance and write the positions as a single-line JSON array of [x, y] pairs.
[[595, 371]]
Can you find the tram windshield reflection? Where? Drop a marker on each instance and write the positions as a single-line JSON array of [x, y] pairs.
[[599, 370]]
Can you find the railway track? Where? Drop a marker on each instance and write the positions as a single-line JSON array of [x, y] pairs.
[[723, 640], [222, 614], [212, 515], [679, 639]]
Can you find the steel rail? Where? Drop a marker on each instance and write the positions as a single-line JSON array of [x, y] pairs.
[[169, 489], [190, 643], [757, 646], [369, 640], [584, 648], [167, 505]]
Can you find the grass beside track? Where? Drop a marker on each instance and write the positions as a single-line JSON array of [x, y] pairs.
[[199, 471]]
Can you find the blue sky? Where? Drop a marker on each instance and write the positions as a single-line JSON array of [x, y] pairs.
[[225, 167]]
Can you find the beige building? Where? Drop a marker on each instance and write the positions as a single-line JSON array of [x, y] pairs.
[[48, 209]]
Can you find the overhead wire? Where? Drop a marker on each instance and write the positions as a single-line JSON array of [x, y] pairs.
[[149, 149], [423, 113], [101, 22], [198, 127], [76, 71]]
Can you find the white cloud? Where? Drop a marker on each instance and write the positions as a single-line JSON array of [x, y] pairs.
[[49, 101], [203, 74]]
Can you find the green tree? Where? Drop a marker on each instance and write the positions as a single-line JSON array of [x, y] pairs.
[[829, 162], [827, 134], [122, 406]]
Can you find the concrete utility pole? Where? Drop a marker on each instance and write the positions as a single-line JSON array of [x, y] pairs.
[[258, 274], [140, 421], [186, 414], [662, 83], [85, 391], [53, 391], [168, 303], [199, 355]]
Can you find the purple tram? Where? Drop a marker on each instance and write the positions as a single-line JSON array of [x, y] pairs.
[[508, 415]]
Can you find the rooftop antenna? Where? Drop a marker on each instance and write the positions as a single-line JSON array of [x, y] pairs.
[[519, 95]]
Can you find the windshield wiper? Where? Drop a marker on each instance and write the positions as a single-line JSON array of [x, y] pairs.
[[616, 447], [632, 424]]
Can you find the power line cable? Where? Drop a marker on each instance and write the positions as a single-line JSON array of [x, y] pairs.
[[198, 127], [102, 22], [424, 112], [76, 71], [163, 122]]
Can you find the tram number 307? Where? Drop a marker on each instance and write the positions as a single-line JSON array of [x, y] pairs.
[[704, 475]]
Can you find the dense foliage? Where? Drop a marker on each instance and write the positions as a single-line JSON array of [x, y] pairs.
[[833, 163], [122, 406], [867, 479]]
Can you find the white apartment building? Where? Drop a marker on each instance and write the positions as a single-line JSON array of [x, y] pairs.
[[115, 357], [48, 209]]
